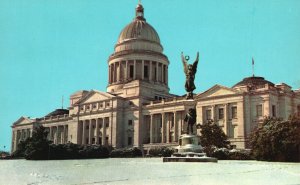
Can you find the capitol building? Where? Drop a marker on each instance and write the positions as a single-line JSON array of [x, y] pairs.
[[138, 110]]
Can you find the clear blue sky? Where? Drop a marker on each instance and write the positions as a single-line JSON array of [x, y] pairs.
[[52, 48]]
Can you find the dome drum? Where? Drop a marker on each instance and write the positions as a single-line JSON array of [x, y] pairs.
[[138, 56]]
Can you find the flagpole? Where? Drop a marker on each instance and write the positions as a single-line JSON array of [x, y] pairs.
[[252, 67]]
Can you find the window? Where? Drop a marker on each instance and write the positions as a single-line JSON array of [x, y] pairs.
[[100, 125], [87, 127], [81, 108], [131, 67], [208, 114], [129, 141], [87, 107], [155, 73], [107, 124], [107, 104], [101, 105], [258, 110], [221, 113], [233, 112], [100, 140], [93, 140], [130, 122], [273, 110], [146, 74], [94, 106], [155, 97]]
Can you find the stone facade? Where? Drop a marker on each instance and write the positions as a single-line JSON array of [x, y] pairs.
[[138, 110]]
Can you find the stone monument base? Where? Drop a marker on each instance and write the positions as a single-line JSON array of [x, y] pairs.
[[189, 150]]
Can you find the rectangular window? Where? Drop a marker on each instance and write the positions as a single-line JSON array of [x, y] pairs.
[[129, 141], [155, 71], [208, 114], [258, 110], [129, 122], [100, 125], [221, 113], [146, 73], [93, 140], [273, 110], [131, 68], [233, 112], [106, 140], [107, 104], [107, 124], [94, 106]]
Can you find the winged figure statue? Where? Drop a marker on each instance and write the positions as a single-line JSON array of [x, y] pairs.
[[190, 71]]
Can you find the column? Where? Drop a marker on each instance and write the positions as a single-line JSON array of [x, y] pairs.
[[90, 132], [163, 138], [55, 135], [162, 73], [156, 72], [180, 123], [65, 134], [143, 63], [240, 117], [175, 127], [167, 73], [97, 131], [109, 72], [225, 119], [213, 113], [115, 72], [150, 70], [50, 133], [168, 127], [151, 129], [119, 72], [62, 135], [126, 71], [14, 141], [83, 132], [103, 132], [134, 70]]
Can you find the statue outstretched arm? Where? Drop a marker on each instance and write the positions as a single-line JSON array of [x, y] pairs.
[[184, 62], [196, 63]]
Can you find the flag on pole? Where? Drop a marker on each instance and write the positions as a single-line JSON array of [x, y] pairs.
[[252, 61]]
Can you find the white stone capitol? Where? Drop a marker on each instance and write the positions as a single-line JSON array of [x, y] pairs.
[[138, 109]]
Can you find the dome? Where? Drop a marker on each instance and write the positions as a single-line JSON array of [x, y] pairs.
[[138, 29], [138, 35], [253, 81]]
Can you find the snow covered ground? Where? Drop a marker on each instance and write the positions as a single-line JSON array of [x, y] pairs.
[[146, 171]]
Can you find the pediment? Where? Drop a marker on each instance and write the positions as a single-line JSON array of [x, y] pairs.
[[216, 91], [22, 121], [94, 96]]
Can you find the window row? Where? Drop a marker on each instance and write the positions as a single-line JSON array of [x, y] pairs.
[[220, 113], [95, 106]]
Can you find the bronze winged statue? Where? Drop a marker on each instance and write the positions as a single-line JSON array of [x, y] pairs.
[[190, 71]]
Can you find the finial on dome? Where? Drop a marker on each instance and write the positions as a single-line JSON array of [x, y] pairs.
[[139, 11]]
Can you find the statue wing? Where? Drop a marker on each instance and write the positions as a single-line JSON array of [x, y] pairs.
[[184, 62], [196, 63]]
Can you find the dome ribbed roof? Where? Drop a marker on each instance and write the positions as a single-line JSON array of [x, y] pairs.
[[253, 81], [139, 29]]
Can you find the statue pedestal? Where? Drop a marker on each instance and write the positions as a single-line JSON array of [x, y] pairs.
[[189, 150]]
